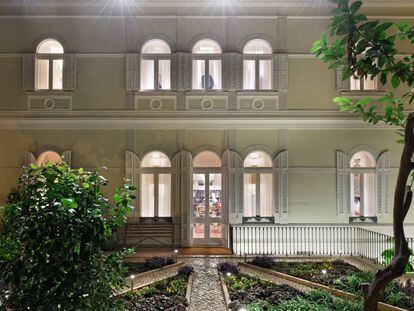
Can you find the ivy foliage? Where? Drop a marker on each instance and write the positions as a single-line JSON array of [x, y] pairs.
[[367, 49], [55, 224]]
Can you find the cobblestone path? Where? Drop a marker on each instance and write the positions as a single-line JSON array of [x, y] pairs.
[[206, 293]]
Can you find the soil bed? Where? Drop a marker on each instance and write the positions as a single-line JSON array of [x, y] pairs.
[[340, 275], [168, 294]]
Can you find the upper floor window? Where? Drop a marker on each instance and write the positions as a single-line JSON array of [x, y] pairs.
[[364, 84], [155, 65], [206, 65], [257, 65], [156, 185], [49, 65], [258, 183], [48, 157], [363, 184]]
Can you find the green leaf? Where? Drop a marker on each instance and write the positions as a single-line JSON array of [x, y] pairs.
[[342, 101], [355, 6], [395, 81], [364, 101]]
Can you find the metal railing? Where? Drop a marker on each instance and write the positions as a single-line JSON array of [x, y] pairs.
[[288, 240]]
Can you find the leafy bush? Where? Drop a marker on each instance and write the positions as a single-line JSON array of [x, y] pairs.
[[56, 222], [157, 262], [186, 270], [388, 254], [228, 267], [263, 261]]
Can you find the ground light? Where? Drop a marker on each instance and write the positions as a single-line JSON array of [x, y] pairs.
[[132, 282], [228, 273], [324, 272]]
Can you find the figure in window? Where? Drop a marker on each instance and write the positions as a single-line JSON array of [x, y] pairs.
[[210, 82]]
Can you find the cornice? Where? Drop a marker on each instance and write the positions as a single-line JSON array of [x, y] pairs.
[[127, 119]]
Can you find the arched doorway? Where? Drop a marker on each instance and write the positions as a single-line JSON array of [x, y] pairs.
[[207, 200]]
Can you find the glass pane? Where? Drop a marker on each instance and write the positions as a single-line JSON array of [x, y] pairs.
[[249, 74], [369, 194], [48, 157], [199, 71], [147, 195], [265, 74], [50, 46], [249, 195], [164, 195], [362, 159], [207, 46], [355, 84], [156, 46], [370, 85], [266, 195], [164, 74], [199, 195], [257, 46], [57, 74], [215, 202], [155, 159], [147, 74], [258, 159], [215, 231], [207, 159], [356, 195], [198, 231], [214, 81], [42, 74]]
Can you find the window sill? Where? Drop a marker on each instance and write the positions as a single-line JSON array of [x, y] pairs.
[[362, 94], [363, 219], [258, 219]]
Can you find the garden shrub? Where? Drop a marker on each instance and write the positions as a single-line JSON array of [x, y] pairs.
[[186, 271], [157, 262], [228, 267], [263, 261], [51, 255]]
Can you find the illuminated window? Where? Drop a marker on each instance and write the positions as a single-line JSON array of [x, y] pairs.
[[156, 185], [155, 65], [364, 84], [363, 184], [206, 65], [258, 183], [48, 157], [49, 65], [207, 202], [257, 65]]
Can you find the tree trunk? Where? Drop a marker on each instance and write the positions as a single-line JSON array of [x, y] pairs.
[[402, 201]]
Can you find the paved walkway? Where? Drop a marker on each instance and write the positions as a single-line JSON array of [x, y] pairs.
[[206, 293]]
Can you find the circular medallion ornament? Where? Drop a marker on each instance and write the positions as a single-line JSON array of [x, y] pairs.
[[49, 103], [156, 104], [207, 104]]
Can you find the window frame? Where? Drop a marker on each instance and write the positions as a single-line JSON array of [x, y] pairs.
[[50, 57], [362, 82], [156, 57], [207, 57], [258, 171], [156, 171]]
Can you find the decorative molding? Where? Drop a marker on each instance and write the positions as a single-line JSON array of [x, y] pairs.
[[257, 101], [206, 102], [46, 101], [155, 102]]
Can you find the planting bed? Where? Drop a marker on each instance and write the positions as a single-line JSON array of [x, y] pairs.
[[253, 294], [168, 294], [340, 275], [148, 265]]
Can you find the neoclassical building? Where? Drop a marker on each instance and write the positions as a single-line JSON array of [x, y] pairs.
[[215, 110]]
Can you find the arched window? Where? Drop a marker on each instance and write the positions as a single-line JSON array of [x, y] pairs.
[[257, 65], [206, 65], [48, 157], [363, 184], [155, 65], [258, 183], [49, 65], [207, 199], [156, 185]]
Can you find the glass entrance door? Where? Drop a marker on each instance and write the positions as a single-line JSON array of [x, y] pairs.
[[207, 209]]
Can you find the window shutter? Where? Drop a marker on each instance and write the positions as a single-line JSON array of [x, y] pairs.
[[29, 158], [237, 66], [132, 71], [281, 184], [233, 164], [280, 72], [188, 64], [342, 184], [174, 71], [69, 72], [29, 72], [182, 185], [226, 71], [383, 182], [67, 157], [132, 172], [340, 84]]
